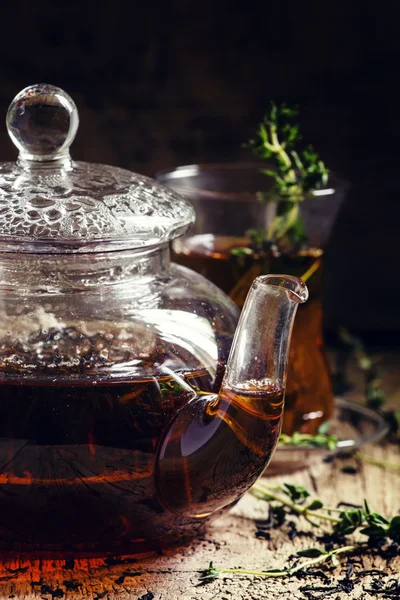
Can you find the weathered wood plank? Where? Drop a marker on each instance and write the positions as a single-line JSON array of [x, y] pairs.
[[229, 542]]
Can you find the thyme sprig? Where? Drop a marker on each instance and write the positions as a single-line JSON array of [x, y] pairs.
[[296, 173], [317, 557], [295, 500], [319, 440], [375, 395]]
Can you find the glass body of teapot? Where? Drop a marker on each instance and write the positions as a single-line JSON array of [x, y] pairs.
[[130, 410]]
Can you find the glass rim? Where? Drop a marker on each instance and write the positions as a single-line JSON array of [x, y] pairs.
[[165, 176]]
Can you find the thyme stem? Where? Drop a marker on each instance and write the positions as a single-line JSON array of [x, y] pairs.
[[378, 463], [289, 571], [278, 149], [259, 490], [314, 267]]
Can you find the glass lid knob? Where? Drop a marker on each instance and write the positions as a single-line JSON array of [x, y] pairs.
[[42, 122]]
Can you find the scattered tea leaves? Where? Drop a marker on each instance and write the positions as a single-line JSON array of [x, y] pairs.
[[383, 536], [295, 492]]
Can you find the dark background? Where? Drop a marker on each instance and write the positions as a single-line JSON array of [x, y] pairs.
[[169, 83]]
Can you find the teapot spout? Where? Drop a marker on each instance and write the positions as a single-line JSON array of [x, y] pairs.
[[260, 349], [217, 446]]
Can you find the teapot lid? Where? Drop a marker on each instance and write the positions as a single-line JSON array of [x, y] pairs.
[[49, 203]]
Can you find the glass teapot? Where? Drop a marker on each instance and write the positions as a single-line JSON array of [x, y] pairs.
[[131, 412]]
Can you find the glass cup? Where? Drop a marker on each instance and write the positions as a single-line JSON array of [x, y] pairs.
[[226, 201]]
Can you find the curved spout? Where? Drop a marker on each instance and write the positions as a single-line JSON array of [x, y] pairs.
[[260, 348], [217, 446]]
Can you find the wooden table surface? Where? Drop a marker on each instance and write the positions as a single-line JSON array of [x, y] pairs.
[[230, 542]]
